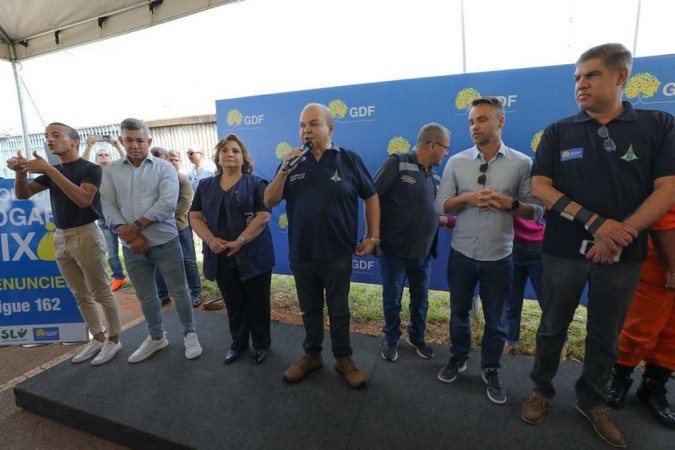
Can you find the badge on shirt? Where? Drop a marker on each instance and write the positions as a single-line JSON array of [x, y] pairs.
[[572, 153], [408, 179], [630, 154], [336, 176]]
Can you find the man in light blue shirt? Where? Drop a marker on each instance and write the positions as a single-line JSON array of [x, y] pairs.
[[139, 195], [486, 186]]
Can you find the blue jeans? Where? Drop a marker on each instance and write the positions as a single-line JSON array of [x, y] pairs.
[[187, 246], [610, 291], [494, 285], [395, 270], [141, 269], [113, 245], [527, 263]]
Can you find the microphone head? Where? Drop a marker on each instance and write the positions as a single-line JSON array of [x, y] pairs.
[[307, 146]]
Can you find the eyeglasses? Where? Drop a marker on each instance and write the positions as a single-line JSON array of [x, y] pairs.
[[103, 154], [446, 147], [609, 144], [192, 153], [482, 178]]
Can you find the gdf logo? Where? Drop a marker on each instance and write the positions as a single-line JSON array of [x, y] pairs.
[[466, 96], [235, 118], [340, 110]]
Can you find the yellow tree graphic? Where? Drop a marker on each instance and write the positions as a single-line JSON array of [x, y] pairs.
[[234, 118], [465, 97], [536, 139], [283, 221], [282, 149], [398, 144], [338, 108], [643, 85]]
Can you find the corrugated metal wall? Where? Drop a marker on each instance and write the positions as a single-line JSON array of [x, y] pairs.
[[176, 134]]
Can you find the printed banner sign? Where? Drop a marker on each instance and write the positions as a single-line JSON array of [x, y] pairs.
[[36, 305], [379, 119]]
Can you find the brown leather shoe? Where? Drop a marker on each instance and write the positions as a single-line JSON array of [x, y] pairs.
[[302, 367], [603, 424], [535, 409], [355, 378]]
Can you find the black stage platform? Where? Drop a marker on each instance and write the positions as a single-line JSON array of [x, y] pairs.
[[169, 402]]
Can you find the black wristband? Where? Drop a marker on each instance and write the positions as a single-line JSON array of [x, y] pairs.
[[561, 204], [583, 216], [592, 228]]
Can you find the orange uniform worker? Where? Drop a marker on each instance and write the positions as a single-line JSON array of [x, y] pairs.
[[649, 330]]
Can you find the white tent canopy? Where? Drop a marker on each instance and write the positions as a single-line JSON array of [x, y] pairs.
[[30, 28]]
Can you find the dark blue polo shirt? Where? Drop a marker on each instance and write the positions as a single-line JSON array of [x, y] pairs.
[[67, 214], [612, 184], [322, 205]]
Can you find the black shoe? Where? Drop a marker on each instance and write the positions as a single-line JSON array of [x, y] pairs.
[[231, 355], [449, 371], [196, 300], [495, 391], [389, 352], [259, 356], [618, 386], [653, 395], [423, 350], [165, 300]]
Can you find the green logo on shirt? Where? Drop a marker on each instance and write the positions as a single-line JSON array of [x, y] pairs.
[[630, 154], [336, 176]]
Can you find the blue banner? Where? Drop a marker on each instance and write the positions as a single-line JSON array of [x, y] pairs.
[[379, 119], [36, 305]]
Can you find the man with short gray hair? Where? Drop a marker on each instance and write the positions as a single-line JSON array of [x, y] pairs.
[[202, 167], [139, 196], [406, 185]]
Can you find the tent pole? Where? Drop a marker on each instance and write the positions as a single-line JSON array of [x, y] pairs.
[[24, 124]]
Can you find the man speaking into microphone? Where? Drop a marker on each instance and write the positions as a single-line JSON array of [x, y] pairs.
[[321, 184]]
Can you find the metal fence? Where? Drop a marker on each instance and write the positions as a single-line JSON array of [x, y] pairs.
[[176, 134]]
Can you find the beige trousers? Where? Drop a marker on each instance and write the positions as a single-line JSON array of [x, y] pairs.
[[80, 255]]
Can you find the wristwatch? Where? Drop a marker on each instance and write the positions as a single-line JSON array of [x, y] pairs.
[[241, 239], [376, 241], [139, 225], [514, 205]]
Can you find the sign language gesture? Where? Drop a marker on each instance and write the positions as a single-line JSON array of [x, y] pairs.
[[37, 165], [17, 163]]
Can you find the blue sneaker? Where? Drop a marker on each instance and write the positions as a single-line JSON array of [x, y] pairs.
[[389, 352]]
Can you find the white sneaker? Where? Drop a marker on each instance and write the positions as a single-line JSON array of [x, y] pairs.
[[92, 348], [147, 348], [109, 350], [192, 347]]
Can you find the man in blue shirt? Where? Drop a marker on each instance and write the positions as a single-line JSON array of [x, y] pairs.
[[321, 194], [139, 196], [486, 185]]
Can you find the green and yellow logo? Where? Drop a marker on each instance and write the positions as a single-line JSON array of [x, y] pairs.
[[338, 108], [234, 117], [282, 149], [465, 97], [13, 334], [398, 144], [536, 139], [630, 154], [642, 85], [336, 176]]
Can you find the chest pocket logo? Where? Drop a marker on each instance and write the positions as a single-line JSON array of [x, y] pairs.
[[630, 154], [336, 176], [408, 179], [572, 153]]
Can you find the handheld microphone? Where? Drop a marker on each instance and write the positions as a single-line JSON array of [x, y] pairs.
[[305, 150]]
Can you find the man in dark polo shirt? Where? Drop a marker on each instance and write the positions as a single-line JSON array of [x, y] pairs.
[[321, 194], [78, 242], [606, 174], [406, 185]]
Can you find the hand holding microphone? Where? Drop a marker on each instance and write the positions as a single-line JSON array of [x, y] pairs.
[[306, 148]]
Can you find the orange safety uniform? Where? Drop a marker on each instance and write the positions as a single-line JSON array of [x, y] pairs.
[[649, 330]]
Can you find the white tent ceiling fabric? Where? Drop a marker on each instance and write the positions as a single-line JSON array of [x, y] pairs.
[[29, 28]]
